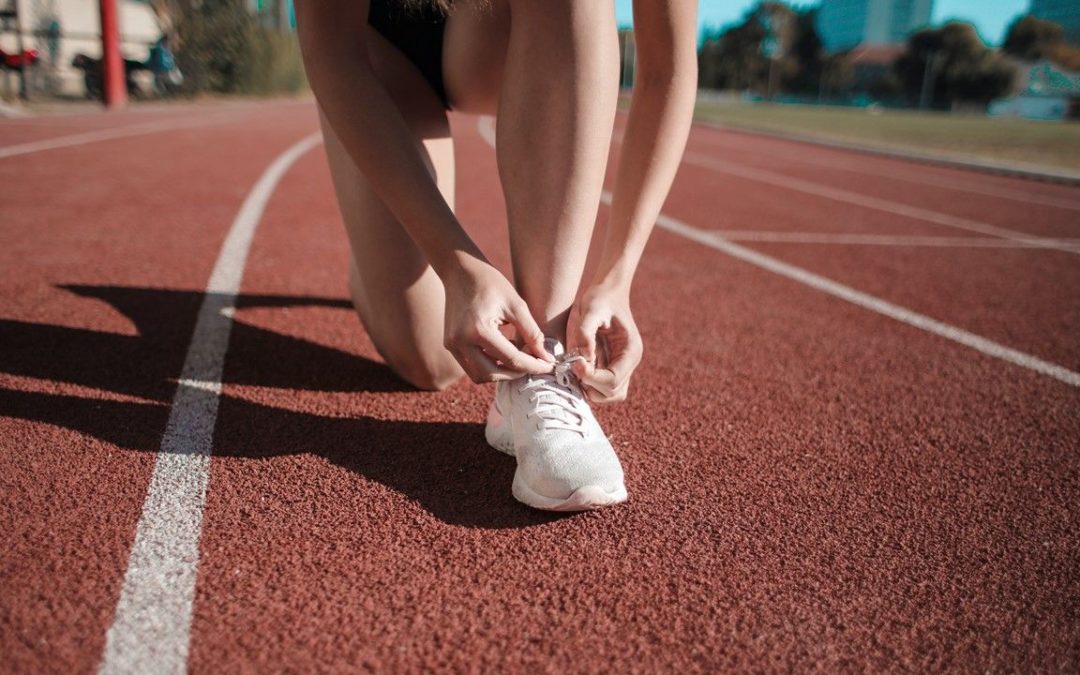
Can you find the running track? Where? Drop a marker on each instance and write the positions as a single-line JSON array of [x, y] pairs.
[[854, 443]]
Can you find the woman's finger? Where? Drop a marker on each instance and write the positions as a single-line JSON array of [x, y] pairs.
[[581, 338], [480, 368], [529, 331], [513, 359], [600, 398], [604, 380], [594, 396], [612, 378]]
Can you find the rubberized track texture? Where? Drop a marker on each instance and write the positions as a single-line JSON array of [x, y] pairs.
[[852, 445]]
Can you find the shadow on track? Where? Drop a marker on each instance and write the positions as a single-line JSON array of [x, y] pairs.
[[147, 364], [445, 466]]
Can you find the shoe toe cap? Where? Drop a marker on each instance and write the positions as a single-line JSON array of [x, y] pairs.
[[560, 475]]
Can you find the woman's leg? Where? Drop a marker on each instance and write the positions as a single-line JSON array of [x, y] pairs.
[[398, 296], [556, 88], [556, 91]]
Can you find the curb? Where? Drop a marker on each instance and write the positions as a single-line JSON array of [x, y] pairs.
[[11, 112], [1015, 169]]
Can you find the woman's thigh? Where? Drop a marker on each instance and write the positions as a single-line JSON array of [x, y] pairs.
[[398, 296], [474, 51]]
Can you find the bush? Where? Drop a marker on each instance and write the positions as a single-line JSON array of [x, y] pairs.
[[223, 50], [962, 70], [276, 64]]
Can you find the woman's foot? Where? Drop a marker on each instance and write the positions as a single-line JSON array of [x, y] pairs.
[[565, 462]]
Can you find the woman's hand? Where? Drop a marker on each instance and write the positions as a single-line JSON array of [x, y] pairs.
[[479, 302], [602, 329]]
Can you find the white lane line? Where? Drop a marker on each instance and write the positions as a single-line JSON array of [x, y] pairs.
[[875, 239], [870, 302], [885, 205], [896, 173], [99, 135], [486, 127], [151, 629]]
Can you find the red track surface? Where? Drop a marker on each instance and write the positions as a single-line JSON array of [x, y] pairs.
[[813, 485]]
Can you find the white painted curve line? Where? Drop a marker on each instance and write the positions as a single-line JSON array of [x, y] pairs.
[[151, 629], [885, 205], [853, 239], [867, 301], [99, 135]]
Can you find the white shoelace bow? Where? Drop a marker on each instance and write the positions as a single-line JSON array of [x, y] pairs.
[[557, 394]]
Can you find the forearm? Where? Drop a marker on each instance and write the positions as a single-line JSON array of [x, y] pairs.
[[379, 141], [660, 114]]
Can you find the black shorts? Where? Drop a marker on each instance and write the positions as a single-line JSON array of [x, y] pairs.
[[418, 33]]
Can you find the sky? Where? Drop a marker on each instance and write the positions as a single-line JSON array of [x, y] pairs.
[[991, 17]]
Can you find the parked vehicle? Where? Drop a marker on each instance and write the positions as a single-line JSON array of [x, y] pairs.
[[92, 77], [16, 61]]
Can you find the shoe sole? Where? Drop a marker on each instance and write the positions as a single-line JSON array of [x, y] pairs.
[[496, 433], [585, 498]]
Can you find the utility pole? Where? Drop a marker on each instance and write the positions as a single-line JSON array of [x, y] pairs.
[[628, 56], [281, 11], [113, 77], [10, 17], [926, 96], [772, 48]]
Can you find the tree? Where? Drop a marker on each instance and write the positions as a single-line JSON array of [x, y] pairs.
[[959, 66], [169, 13], [806, 54], [735, 57], [733, 60], [216, 39], [837, 75], [980, 79], [1032, 39]]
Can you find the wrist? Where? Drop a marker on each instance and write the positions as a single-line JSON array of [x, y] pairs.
[[458, 265], [616, 278]]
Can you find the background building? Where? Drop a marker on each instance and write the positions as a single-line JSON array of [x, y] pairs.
[[1048, 92], [1066, 13], [844, 24], [61, 29]]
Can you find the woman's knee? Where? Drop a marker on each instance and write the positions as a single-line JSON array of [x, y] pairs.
[[429, 372]]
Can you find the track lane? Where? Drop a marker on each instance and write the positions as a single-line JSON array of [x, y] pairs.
[[998, 202], [844, 195], [785, 506], [93, 326], [50, 126], [1044, 220], [1023, 298], [1020, 297], [898, 178], [150, 630], [872, 215], [927, 173], [812, 485]]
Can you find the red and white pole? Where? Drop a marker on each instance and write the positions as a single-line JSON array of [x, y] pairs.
[[114, 82]]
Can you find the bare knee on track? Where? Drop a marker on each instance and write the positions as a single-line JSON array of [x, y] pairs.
[[429, 372], [416, 354]]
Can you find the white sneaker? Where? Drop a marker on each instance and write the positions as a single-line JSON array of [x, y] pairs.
[[565, 462]]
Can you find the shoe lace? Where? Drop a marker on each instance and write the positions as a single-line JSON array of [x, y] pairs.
[[558, 396]]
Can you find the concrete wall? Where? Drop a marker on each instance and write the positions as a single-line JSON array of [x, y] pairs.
[[80, 28]]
